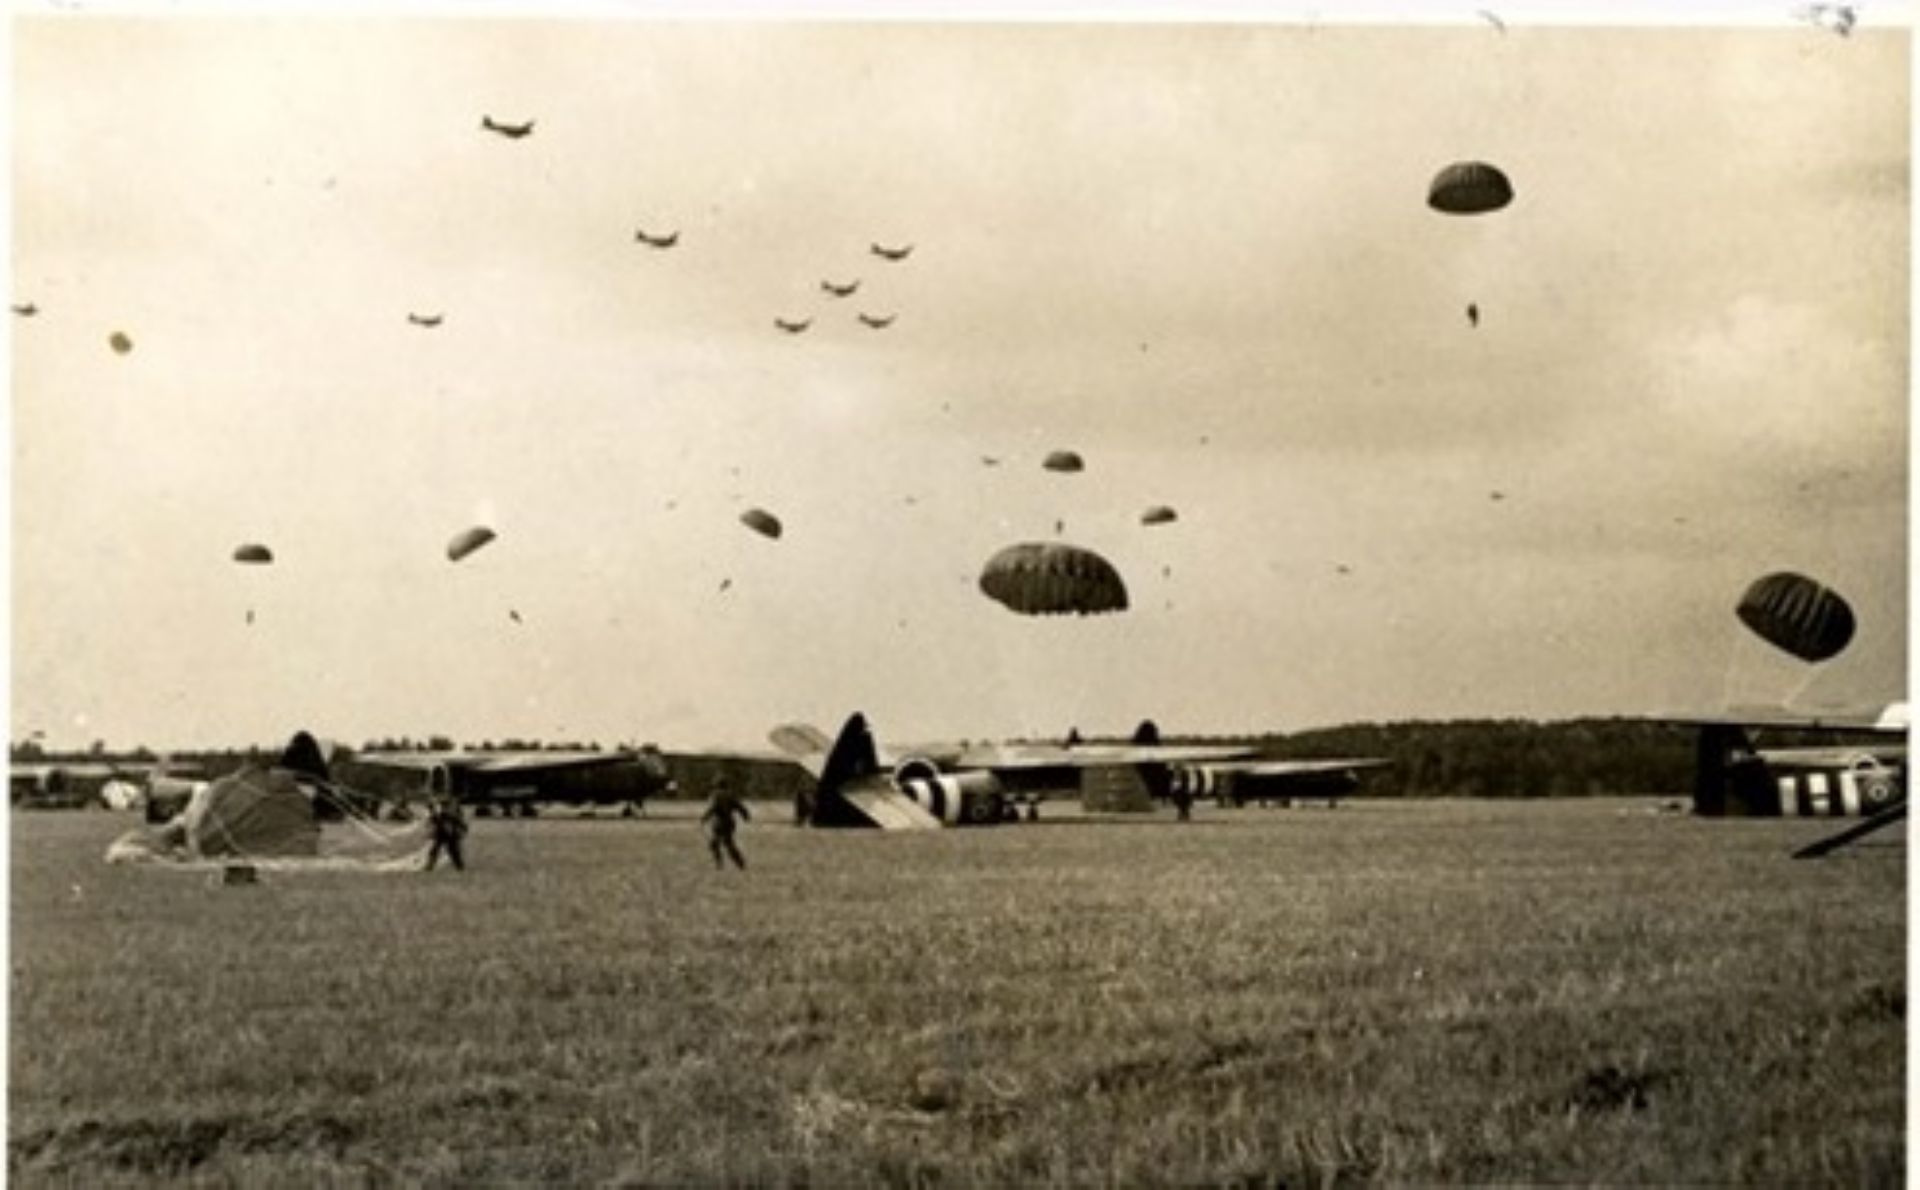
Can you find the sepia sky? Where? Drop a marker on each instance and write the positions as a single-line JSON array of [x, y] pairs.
[[1200, 255]]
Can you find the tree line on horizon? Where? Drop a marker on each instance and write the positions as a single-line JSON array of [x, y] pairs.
[[1495, 758]]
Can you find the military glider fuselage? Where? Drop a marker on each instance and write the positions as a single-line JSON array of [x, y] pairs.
[[980, 785]]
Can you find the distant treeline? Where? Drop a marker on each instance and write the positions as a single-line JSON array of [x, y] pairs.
[[1459, 758], [1508, 757]]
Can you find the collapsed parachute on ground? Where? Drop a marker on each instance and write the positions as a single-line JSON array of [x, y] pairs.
[[467, 541], [253, 553], [1797, 614], [1159, 514], [1469, 188], [287, 817], [762, 522], [1064, 460], [1051, 578]]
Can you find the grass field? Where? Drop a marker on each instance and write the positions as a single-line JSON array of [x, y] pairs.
[[1450, 992]]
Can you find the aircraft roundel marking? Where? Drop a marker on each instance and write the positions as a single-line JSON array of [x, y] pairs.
[[1877, 791]]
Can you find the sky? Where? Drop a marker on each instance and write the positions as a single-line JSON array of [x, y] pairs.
[[1199, 255]]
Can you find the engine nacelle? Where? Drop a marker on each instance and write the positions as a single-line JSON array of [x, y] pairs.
[[957, 799]]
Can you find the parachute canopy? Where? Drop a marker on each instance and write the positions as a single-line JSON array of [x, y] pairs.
[[1797, 614], [1064, 460], [254, 553], [467, 541], [1051, 578], [762, 522], [1159, 514], [120, 343], [1469, 188]]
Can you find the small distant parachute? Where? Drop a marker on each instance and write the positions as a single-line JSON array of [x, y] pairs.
[[658, 241], [1469, 188], [1051, 579], [119, 342], [792, 328], [878, 323], [1797, 614], [468, 540], [26, 309], [1064, 460], [1159, 514], [885, 253], [510, 131], [253, 553], [762, 522], [426, 320], [845, 290]]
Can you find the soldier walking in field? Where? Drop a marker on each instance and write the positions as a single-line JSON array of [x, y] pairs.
[[449, 826], [722, 808]]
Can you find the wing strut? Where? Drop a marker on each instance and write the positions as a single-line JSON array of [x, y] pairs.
[[1858, 830]]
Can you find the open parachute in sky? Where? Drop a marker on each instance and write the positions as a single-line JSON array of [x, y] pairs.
[[253, 554], [1469, 188], [1051, 579], [1066, 461], [762, 522], [1159, 514], [468, 540], [1797, 614]]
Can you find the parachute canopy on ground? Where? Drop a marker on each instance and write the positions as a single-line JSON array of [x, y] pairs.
[[1797, 614], [253, 553], [1159, 514], [762, 522], [1469, 188], [1051, 578], [467, 541], [1064, 460]]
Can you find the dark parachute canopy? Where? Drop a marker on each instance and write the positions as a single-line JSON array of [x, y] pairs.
[[1064, 460], [1469, 188], [468, 540], [253, 553], [762, 522], [1797, 614], [1038, 578], [119, 342], [1159, 514]]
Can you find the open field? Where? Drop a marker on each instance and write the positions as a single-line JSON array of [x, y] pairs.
[[1464, 991]]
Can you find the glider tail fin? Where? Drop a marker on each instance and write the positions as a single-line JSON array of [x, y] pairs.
[[1729, 776], [852, 758]]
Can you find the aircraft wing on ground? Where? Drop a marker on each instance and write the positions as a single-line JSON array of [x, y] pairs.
[[516, 780]]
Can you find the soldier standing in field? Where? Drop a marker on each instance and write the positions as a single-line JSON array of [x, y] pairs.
[[449, 826], [722, 808]]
